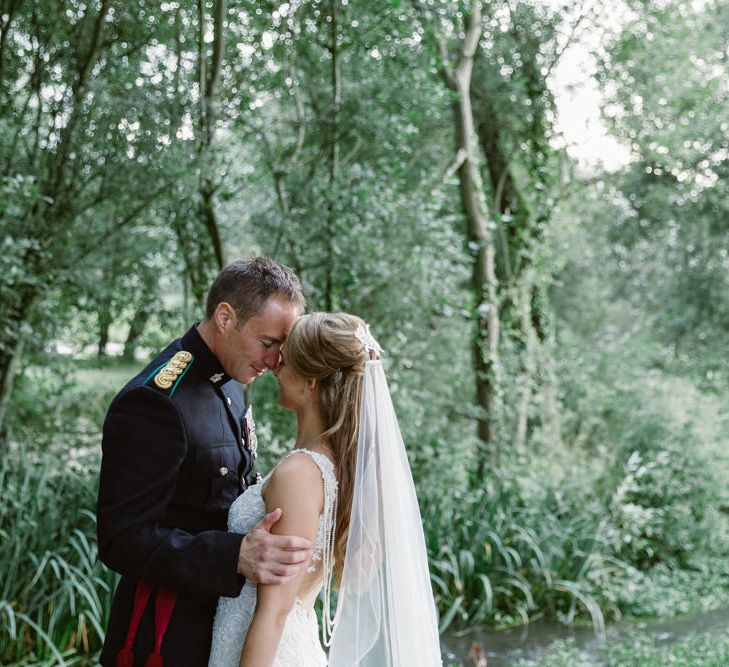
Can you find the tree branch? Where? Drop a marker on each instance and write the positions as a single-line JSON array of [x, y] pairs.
[[218, 48], [4, 29], [117, 227], [300, 118], [560, 52]]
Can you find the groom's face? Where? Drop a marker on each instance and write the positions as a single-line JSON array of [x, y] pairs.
[[249, 351]]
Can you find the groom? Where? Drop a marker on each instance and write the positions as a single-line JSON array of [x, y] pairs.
[[178, 447]]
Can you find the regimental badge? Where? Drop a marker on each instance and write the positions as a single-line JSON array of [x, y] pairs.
[[175, 367], [251, 432]]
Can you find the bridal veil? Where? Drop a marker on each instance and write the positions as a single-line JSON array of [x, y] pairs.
[[385, 612]]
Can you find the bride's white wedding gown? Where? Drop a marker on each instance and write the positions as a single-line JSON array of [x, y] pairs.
[[299, 645]]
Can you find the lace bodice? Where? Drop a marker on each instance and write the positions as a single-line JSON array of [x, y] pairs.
[[299, 645], [249, 508]]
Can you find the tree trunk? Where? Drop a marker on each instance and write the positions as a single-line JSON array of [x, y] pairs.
[[520, 224], [281, 168], [144, 308], [105, 320], [136, 329], [12, 349], [8, 367], [58, 188], [528, 366], [209, 74], [329, 297], [486, 335], [210, 221], [4, 29], [196, 279], [505, 195]]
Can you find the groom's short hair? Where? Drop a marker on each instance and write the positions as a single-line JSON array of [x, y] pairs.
[[247, 284]]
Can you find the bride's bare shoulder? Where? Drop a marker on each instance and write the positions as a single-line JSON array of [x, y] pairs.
[[296, 478]]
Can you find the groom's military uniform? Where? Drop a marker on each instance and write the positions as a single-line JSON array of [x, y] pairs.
[[177, 450]]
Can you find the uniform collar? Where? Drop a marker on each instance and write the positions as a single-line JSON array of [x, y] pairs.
[[206, 362]]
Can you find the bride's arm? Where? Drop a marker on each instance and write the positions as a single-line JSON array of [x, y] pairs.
[[295, 487]]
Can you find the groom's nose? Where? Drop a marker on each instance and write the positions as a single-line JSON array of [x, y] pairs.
[[273, 357]]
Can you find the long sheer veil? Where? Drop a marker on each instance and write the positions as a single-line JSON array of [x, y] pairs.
[[385, 612]]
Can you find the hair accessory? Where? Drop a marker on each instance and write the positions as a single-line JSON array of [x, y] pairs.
[[364, 336]]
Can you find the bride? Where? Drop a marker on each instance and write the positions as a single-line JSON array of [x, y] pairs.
[[346, 486]]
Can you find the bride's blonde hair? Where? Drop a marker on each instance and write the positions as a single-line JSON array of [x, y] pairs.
[[323, 346]]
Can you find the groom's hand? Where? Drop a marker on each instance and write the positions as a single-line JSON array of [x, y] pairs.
[[265, 558]]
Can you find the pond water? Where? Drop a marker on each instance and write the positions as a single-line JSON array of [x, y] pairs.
[[532, 642]]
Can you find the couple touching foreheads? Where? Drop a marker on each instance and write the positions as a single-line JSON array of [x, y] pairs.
[[222, 567]]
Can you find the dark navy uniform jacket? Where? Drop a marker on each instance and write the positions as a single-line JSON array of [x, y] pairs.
[[173, 462]]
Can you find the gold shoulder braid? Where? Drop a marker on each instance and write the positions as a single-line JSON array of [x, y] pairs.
[[172, 369]]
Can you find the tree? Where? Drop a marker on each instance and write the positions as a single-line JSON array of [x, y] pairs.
[[484, 285], [84, 91], [672, 113], [514, 115]]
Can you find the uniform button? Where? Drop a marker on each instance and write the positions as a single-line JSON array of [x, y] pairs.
[[227, 398], [223, 471]]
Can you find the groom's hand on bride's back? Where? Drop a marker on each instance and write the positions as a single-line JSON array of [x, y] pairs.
[[265, 558]]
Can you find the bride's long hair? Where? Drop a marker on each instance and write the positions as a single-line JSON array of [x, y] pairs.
[[323, 346]]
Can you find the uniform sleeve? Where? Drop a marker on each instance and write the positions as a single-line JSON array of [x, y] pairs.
[[144, 445]]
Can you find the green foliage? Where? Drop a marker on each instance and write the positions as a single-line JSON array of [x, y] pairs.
[[62, 403], [659, 510], [55, 594], [669, 244], [653, 446], [332, 150], [511, 556], [699, 650], [625, 519]]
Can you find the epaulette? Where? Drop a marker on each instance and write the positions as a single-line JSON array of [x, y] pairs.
[[169, 374]]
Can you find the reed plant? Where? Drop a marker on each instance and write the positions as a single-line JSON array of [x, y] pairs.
[[54, 593], [497, 557]]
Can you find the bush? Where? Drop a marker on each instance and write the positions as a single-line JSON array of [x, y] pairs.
[[500, 556], [55, 595], [60, 405], [659, 509], [651, 446], [640, 650]]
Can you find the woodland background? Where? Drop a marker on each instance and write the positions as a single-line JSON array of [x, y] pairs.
[[556, 337]]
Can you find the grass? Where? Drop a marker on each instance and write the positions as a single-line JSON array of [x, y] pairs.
[[115, 376], [699, 650], [508, 562], [55, 594]]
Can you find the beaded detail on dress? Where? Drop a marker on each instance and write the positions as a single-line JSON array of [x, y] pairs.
[[299, 645]]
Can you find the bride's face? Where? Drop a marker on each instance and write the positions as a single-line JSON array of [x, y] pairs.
[[292, 387]]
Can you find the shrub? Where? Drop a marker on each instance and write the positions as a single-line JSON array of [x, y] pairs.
[[501, 557], [659, 508], [55, 594]]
